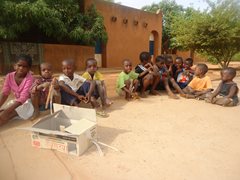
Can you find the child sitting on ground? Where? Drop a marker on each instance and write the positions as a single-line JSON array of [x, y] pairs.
[[161, 70], [185, 76], [201, 84], [74, 88], [40, 89], [147, 79], [19, 82], [226, 93], [127, 82], [178, 65], [92, 74]]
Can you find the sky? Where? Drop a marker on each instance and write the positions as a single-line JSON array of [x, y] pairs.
[[197, 4]]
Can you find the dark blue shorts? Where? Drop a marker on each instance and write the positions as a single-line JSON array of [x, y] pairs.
[[68, 99]]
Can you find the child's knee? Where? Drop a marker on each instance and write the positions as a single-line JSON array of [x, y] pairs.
[[127, 83], [149, 77], [98, 83], [34, 93], [135, 81]]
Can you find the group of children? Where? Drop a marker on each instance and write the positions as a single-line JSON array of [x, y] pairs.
[[72, 89], [178, 76], [30, 94]]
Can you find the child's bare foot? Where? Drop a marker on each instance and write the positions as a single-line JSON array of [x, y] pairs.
[[135, 96], [173, 96], [183, 95], [154, 92], [109, 102], [143, 95], [190, 96], [35, 115]]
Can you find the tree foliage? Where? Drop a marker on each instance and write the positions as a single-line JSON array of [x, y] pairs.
[[60, 20], [215, 33], [170, 9]]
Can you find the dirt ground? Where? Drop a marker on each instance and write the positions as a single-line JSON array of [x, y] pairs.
[[159, 138]]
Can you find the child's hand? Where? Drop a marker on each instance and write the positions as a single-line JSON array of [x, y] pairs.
[[45, 85], [81, 98], [87, 98], [55, 83], [150, 70]]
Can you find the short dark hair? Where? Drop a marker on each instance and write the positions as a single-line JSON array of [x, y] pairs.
[[189, 60], [167, 57], [231, 71], [126, 60], [203, 67], [180, 58], [90, 59], [68, 62], [144, 56], [160, 58], [26, 58]]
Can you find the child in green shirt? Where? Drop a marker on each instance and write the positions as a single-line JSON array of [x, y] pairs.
[[127, 81]]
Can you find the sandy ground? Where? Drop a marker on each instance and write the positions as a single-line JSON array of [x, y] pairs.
[[159, 138]]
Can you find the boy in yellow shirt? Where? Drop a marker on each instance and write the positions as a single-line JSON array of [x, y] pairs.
[[92, 74]]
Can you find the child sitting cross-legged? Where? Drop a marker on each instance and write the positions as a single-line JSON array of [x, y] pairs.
[[226, 93], [19, 82], [40, 89], [127, 82], [201, 84]]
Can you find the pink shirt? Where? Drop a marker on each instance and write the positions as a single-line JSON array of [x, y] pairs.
[[21, 92]]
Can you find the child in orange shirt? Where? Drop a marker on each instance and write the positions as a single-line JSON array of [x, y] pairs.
[[200, 85]]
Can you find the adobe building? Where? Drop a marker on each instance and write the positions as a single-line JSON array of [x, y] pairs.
[[130, 31]]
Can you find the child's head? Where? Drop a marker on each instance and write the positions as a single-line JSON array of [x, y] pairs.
[[68, 67], [228, 74], [188, 63], [201, 69], [168, 60], [160, 61], [145, 57], [23, 64], [91, 65], [46, 70], [127, 66], [179, 62]]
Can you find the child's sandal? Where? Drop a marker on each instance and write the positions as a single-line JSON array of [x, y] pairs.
[[102, 114]]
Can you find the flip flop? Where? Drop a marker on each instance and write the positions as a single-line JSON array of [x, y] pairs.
[[102, 114]]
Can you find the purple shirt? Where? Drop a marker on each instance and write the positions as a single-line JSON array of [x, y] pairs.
[[22, 91]]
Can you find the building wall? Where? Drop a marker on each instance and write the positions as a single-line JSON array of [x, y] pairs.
[[55, 54], [127, 40]]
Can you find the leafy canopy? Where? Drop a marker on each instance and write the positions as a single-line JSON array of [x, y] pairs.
[[215, 33], [170, 9], [60, 20]]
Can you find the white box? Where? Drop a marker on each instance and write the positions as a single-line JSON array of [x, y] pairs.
[[80, 128]]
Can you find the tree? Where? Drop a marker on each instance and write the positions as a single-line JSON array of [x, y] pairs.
[[215, 33], [60, 21], [170, 9]]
